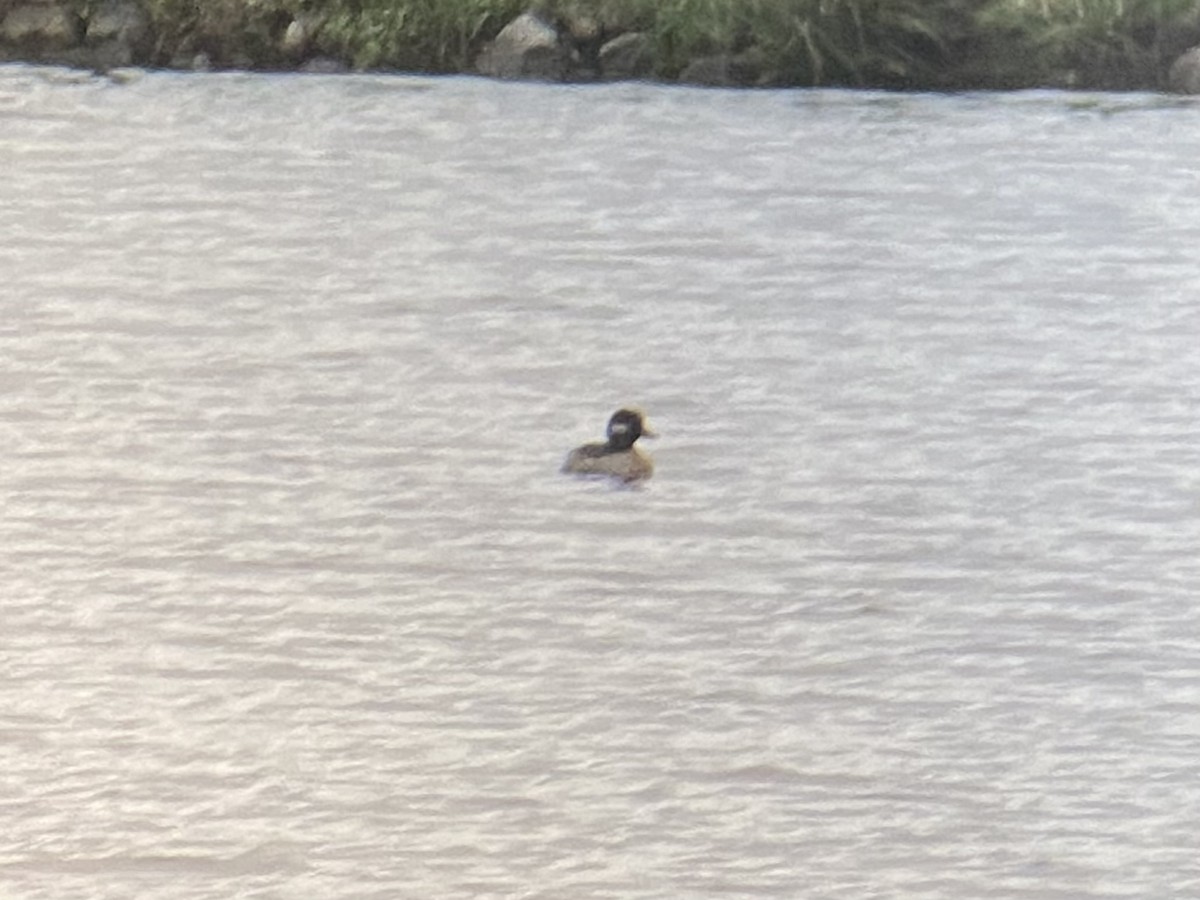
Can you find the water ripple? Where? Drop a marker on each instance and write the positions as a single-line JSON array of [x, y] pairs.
[[298, 604]]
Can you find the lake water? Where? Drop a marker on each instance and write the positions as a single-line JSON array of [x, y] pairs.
[[297, 605]]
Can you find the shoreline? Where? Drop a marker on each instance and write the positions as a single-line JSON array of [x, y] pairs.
[[564, 42]]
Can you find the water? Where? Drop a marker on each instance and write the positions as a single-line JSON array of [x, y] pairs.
[[296, 604]]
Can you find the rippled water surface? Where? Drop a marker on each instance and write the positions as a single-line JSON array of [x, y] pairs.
[[296, 604]]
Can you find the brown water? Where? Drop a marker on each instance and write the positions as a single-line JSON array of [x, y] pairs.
[[295, 603]]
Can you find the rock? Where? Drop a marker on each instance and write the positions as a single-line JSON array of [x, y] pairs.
[[106, 56], [724, 70], [117, 34], [37, 27], [118, 20], [707, 71], [629, 56], [298, 39], [125, 76], [188, 59], [583, 27], [324, 65], [525, 48], [1184, 74]]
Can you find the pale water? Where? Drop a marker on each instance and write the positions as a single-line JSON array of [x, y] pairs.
[[296, 604]]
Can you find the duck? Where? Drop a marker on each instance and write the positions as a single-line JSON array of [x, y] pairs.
[[617, 457]]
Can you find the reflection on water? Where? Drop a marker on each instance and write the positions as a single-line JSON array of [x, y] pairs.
[[298, 604]]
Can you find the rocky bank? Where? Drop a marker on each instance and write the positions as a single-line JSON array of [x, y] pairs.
[[107, 34], [119, 33], [115, 34]]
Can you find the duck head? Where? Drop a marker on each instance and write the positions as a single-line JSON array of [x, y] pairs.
[[625, 427]]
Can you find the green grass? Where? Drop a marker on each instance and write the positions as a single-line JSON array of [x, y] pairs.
[[1098, 43], [430, 35]]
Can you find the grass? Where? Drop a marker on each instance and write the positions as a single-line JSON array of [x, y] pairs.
[[430, 35], [1098, 43]]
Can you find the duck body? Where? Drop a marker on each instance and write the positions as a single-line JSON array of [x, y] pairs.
[[617, 457], [597, 459]]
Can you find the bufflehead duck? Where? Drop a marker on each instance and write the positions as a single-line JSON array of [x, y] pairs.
[[617, 456]]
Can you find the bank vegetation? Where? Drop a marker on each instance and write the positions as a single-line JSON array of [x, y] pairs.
[[908, 44]]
